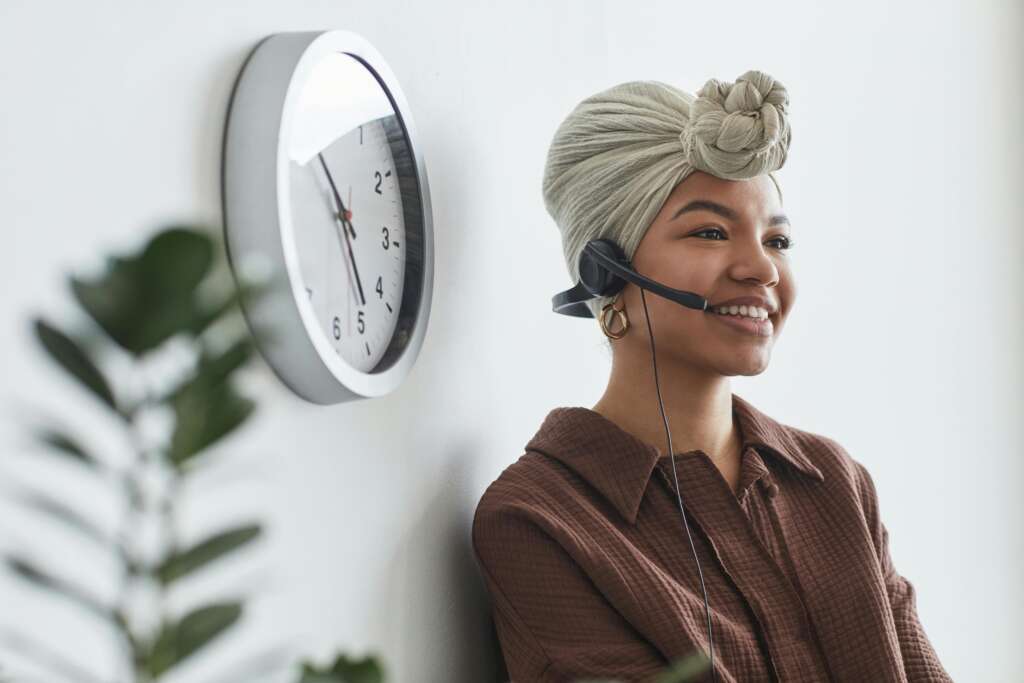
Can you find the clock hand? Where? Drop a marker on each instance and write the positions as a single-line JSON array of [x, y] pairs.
[[355, 268], [348, 273], [348, 214], [347, 222], [341, 215]]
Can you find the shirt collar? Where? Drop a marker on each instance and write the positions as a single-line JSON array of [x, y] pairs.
[[619, 465]]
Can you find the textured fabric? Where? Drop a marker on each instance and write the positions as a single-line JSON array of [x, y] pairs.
[[616, 157], [583, 550]]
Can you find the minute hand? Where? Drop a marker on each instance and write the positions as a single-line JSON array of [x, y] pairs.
[[341, 214]]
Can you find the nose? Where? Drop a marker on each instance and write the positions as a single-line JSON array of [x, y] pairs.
[[753, 262]]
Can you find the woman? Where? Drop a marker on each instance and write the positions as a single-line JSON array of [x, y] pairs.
[[592, 567]]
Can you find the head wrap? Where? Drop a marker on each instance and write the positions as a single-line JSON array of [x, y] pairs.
[[620, 152]]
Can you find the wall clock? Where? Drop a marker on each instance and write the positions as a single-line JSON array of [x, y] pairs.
[[325, 187]]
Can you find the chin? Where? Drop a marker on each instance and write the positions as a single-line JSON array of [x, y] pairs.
[[745, 366]]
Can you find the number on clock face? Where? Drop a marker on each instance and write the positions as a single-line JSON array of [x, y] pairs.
[[350, 237]]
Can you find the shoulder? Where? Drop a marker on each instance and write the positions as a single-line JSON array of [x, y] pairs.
[[816, 454], [827, 454], [530, 486], [533, 501], [839, 467], [509, 521]]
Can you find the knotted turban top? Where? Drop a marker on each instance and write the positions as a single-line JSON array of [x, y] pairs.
[[619, 153]]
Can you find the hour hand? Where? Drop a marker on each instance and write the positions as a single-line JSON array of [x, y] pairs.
[[343, 214]]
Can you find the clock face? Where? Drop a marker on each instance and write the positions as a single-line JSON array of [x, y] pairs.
[[347, 214]]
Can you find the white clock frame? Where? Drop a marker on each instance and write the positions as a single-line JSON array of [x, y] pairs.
[[260, 234]]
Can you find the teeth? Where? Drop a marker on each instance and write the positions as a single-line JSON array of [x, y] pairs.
[[754, 312]]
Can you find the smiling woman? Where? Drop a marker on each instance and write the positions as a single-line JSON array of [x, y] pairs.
[[584, 543]]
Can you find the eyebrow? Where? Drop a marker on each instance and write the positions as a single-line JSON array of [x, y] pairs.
[[723, 211]]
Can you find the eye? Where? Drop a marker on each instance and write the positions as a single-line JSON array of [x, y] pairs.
[[707, 230], [785, 242]]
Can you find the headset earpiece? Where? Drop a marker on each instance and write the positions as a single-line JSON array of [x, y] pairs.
[[595, 276]]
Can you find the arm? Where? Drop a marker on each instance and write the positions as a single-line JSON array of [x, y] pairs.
[[553, 624], [919, 658]]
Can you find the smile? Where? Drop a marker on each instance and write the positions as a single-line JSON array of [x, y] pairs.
[[758, 327]]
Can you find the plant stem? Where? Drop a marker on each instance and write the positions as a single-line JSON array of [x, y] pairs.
[[130, 526]]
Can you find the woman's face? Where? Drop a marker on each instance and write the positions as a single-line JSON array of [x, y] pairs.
[[721, 239]]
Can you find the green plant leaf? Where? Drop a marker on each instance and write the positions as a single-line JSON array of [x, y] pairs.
[[685, 669], [66, 351], [180, 564], [206, 407], [205, 413], [165, 319], [207, 313], [365, 670], [319, 677], [176, 641], [176, 260], [142, 300], [43, 579], [218, 368], [113, 299], [344, 670], [66, 445], [215, 369]]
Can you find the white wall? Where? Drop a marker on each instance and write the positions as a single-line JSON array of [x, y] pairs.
[[904, 346]]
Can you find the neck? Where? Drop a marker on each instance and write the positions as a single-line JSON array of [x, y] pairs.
[[698, 407]]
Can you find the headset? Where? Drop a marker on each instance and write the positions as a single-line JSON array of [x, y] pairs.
[[604, 271]]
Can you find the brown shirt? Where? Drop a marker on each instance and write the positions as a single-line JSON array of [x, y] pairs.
[[583, 550]]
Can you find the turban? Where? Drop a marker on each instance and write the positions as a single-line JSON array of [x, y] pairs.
[[619, 153]]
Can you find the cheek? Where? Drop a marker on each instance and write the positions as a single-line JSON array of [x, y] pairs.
[[787, 292]]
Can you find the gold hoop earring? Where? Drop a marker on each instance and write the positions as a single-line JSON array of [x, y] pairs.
[[623, 321]]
